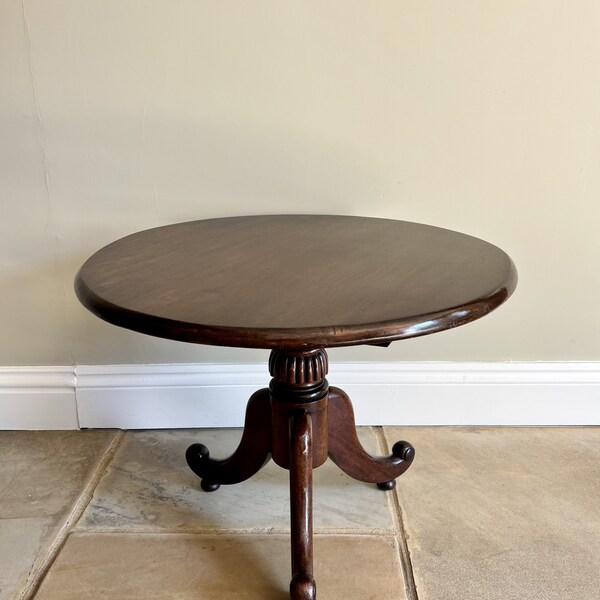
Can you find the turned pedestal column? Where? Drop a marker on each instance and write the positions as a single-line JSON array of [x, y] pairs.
[[299, 421]]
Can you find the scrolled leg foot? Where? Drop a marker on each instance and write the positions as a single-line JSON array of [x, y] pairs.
[[207, 486], [387, 485], [197, 457], [196, 454], [347, 453], [404, 451], [303, 587], [253, 452]]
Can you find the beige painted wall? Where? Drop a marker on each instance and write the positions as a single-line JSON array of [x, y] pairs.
[[480, 116]]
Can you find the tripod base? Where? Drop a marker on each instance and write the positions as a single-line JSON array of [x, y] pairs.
[[299, 421]]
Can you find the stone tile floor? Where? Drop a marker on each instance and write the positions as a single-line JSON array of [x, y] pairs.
[[482, 514]]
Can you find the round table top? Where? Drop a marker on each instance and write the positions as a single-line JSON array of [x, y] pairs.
[[295, 281]]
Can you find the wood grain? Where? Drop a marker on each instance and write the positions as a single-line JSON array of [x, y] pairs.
[[346, 451], [302, 586], [295, 281]]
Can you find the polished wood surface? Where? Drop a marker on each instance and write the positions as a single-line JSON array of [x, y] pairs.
[[346, 451], [296, 284], [302, 586], [253, 452], [299, 421], [290, 281]]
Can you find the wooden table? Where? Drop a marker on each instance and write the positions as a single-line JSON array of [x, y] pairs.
[[296, 284]]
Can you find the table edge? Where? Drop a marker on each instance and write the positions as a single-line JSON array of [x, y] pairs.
[[297, 338]]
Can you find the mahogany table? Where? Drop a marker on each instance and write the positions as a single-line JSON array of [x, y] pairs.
[[296, 284]]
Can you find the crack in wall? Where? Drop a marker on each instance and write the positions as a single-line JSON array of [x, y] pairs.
[[52, 238], [40, 124]]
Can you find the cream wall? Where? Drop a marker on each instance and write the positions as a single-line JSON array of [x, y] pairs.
[[478, 116]]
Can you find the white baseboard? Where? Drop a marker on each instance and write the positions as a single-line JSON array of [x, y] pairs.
[[38, 398], [187, 395]]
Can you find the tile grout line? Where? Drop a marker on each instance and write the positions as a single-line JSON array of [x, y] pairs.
[[401, 541], [37, 576], [216, 531]]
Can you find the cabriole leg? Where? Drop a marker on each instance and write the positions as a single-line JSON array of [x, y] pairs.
[[252, 454], [348, 454]]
